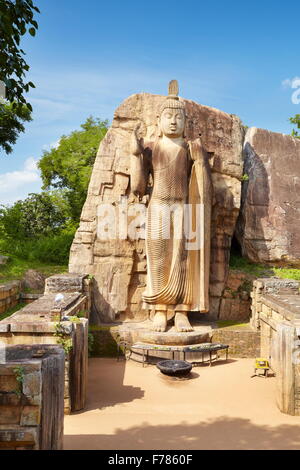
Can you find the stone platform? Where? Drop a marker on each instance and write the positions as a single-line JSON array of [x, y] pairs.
[[142, 332]]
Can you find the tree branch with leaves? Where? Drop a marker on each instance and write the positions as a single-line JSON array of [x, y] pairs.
[[16, 19], [295, 120]]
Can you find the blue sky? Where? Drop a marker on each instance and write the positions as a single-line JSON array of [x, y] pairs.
[[89, 56]]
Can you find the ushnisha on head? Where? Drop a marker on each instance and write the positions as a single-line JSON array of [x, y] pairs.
[[171, 119]]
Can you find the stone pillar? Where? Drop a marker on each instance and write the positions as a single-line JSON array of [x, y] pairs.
[[32, 398], [285, 373]]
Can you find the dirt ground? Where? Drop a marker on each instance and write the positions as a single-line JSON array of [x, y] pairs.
[[219, 407]]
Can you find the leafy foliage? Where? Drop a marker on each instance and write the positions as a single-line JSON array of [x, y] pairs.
[[20, 376], [295, 120], [64, 340], [52, 249], [11, 124], [41, 228], [38, 228], [38, 215], [69, 166], [16, 18]]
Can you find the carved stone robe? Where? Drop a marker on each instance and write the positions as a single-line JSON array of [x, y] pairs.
[[177, 272]]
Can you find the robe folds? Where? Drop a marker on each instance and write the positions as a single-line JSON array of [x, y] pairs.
[[177, 227]]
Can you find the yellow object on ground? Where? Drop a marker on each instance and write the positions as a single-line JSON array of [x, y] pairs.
[[262, 364]]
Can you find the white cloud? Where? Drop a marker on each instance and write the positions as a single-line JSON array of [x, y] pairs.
[[17, 184], [53, 145], [291, 83], [30, 165]]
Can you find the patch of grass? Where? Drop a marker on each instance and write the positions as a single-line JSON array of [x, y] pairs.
[[231, 324], [16, 268], [28, 290], [239, 263], [12, 310], [287, 273]]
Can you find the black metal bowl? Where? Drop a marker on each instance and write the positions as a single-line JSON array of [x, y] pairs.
[[174, 368]]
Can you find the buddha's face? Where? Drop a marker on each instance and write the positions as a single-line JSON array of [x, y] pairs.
[[172, 122]]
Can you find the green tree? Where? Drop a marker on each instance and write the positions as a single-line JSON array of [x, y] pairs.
[[69, 166], [38, 215], [11, 124], [16, 18], [295, 120]]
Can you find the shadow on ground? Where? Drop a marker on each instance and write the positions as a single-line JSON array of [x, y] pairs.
[[223, 433], [118, 391]]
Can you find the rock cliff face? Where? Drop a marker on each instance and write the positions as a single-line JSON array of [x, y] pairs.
[[119, 267], [268, 226]]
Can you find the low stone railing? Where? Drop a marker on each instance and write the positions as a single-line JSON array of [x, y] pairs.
[[39, 323], [28, 298], [276, 314], [9, 295]]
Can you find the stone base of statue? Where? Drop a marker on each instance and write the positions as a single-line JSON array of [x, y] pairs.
[[150, 346], [142, 332]]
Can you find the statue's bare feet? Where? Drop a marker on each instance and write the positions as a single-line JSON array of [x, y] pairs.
[[160, 321], [182, 322]]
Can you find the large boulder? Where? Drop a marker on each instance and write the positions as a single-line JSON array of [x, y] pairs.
[[268, 226], [33, 280], [119, 266]]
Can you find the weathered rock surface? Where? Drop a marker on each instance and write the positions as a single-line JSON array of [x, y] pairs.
[[268, 226], [119, 266], [59, 283], [34, 280]]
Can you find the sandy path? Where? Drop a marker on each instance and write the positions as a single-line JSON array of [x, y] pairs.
[[221, 407]]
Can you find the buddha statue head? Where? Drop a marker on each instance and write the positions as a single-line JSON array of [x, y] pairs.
[[171, 120]]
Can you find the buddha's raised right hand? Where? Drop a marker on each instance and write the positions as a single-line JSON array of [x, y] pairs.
[[136, 146]]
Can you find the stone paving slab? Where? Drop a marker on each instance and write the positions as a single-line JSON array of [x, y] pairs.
[[39, 312], [287, 305]]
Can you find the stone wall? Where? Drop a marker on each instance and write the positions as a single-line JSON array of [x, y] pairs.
[[38, 323], [31, 398], [276, 314], [9, 295], [236, 302], [242, 342], [119, 266]]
